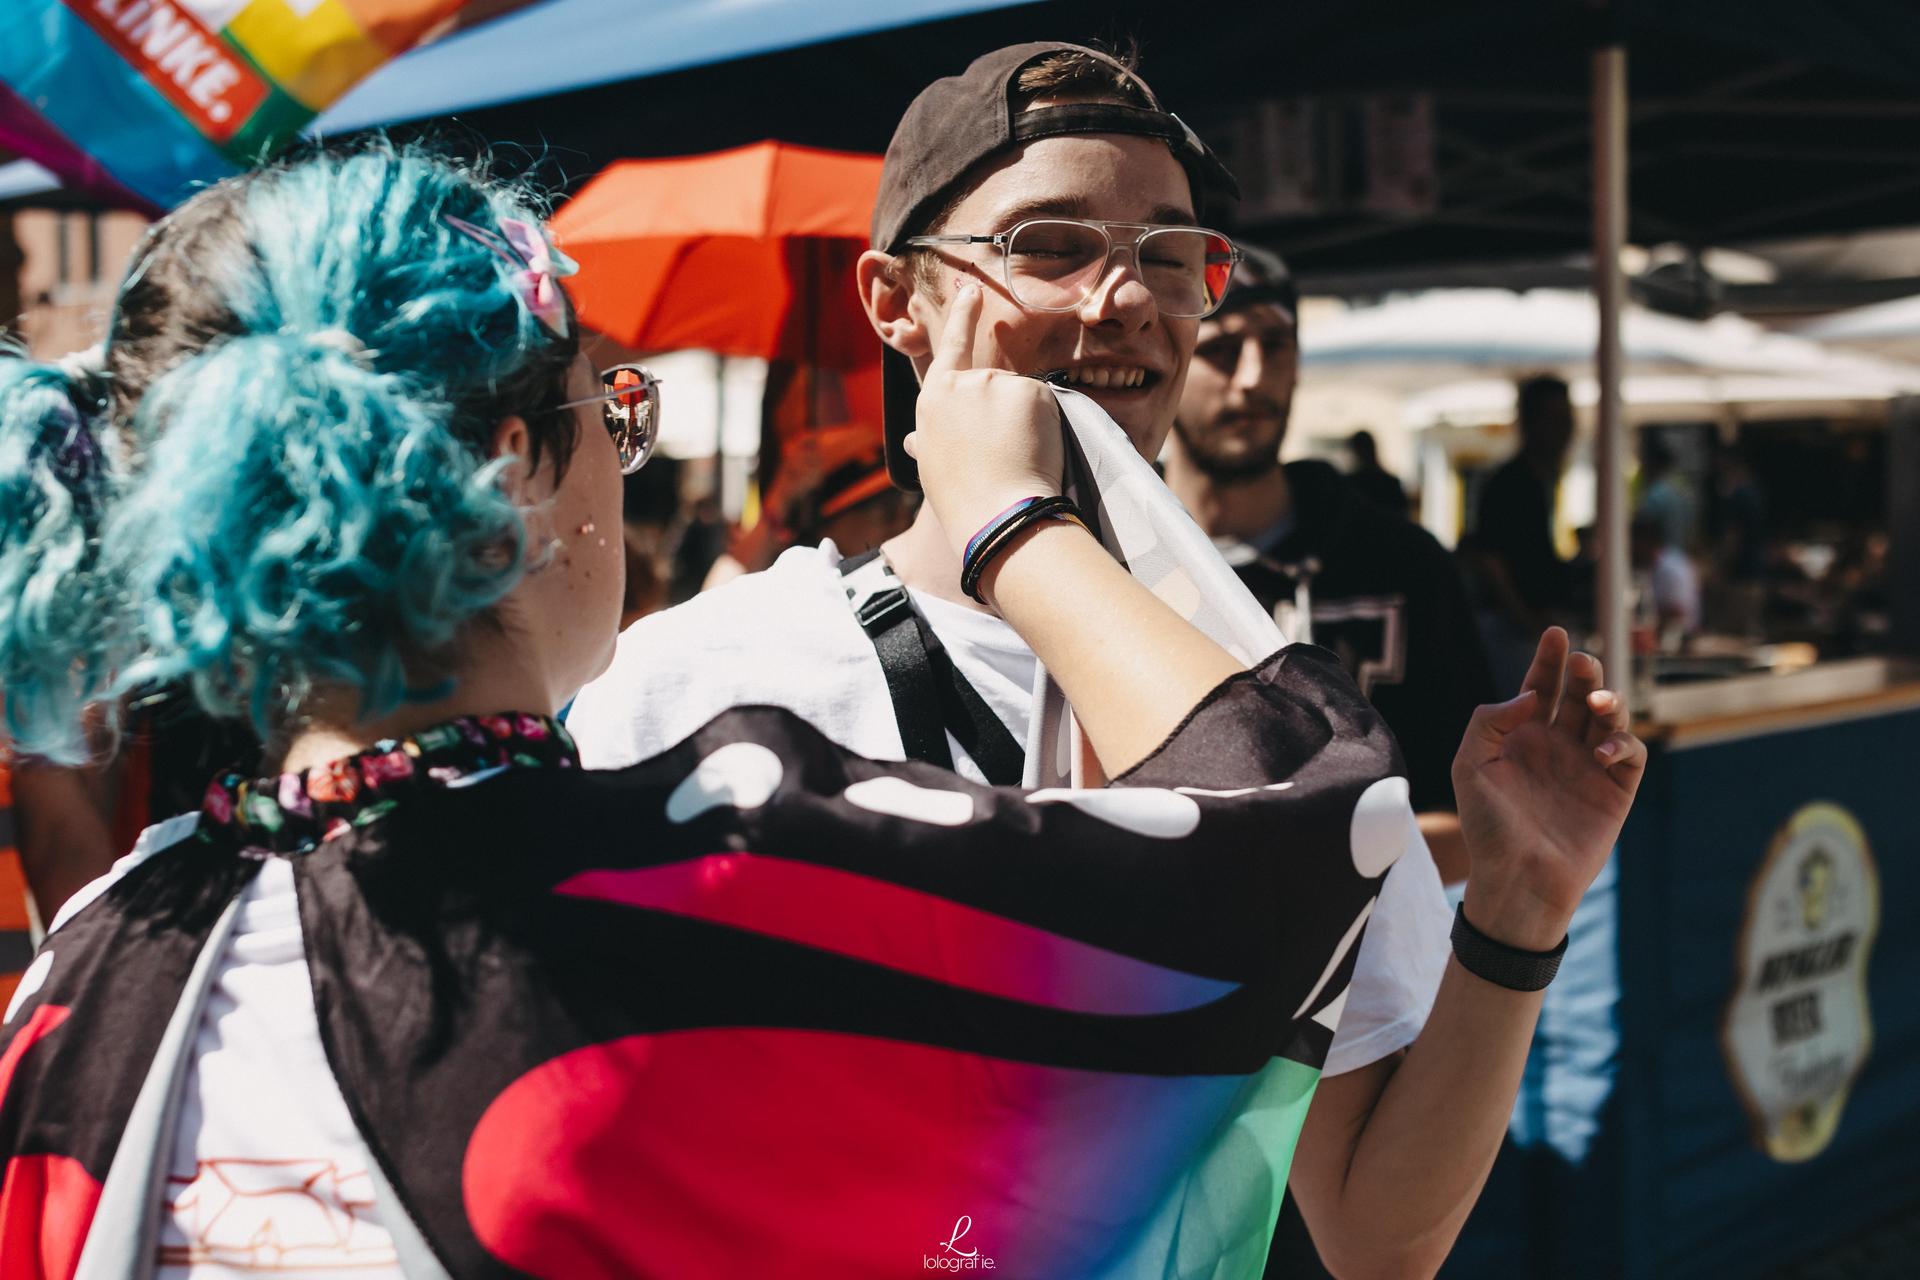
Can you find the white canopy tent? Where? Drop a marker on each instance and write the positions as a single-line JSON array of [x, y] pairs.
[[1889, 328], [1418, 340], [1735, 397]]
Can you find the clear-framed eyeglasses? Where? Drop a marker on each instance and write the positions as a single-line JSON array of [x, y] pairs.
[[1055, 264], [629, 403]]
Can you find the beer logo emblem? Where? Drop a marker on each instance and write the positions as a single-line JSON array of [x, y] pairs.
[[1797, 1030]]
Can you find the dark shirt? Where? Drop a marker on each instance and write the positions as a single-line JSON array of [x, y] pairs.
[[1516, 527], [1380, 487], [1388, 600]]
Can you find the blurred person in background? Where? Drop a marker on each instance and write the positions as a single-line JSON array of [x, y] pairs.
[[1371, 480], [695, 541], [1669, 581], [832, 486], [1665, 498], [1737, 515], [1522, 583], [649, 572]]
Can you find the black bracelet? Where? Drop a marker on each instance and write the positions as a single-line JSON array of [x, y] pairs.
[[1504, 966], [1001, 531]]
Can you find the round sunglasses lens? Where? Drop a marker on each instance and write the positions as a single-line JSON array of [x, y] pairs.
[[630, 411]]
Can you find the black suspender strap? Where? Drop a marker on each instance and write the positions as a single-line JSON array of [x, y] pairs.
[[889, 620], [930, 697]]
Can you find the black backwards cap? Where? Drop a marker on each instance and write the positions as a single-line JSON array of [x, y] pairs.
[[957, 122]]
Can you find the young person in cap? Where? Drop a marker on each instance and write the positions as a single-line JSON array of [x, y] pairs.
[[1396, 1145]]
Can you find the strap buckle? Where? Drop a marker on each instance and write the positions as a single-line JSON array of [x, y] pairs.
[[884, 610]]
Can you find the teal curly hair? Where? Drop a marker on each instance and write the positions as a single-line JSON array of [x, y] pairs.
[[303, 373]]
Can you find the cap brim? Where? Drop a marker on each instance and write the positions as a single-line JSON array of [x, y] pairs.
[[900, 399]]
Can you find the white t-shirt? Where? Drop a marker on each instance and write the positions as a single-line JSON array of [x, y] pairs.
[[787, 638], [267, 1172]]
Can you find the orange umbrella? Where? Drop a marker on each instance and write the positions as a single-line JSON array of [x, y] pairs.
[[746, 252]]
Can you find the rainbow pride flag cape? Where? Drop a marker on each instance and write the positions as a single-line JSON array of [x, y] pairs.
[[756, 1006]]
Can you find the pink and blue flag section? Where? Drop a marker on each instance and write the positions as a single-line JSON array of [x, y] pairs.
[[761, 1006], [141, 101]]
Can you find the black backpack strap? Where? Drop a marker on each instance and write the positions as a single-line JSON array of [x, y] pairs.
[[930, 696]]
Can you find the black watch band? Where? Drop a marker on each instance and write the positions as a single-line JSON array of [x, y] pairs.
[[1500, 964]]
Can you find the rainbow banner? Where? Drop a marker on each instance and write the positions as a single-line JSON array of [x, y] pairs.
[[147, 99]]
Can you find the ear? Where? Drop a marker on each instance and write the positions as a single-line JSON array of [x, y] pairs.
[[893, 306], [513, 441]]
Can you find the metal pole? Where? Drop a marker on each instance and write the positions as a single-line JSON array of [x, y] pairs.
[[1609, 291], [720, 494]]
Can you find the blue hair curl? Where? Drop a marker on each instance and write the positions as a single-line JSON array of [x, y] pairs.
[[53, 493]]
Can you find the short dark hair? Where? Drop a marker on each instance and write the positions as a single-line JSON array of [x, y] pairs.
[[1539, 391]]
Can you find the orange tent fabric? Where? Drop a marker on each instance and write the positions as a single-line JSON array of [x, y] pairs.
[[746, 252]]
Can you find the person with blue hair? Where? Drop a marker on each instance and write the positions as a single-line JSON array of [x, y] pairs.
[[428, 999]]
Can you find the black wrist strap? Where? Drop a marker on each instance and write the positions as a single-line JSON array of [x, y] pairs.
[[1496, 962]]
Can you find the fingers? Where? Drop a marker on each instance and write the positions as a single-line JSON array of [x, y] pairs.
[[1608, 715], [1496, 720], [1549, 667], [1584, 677], [1623, 756], [1488, 729], [955, 348]]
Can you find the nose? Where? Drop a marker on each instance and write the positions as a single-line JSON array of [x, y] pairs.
[[1121, 299], [1250, 370]]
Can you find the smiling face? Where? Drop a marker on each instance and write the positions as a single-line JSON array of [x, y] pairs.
[[1233, 411], [1116, 346]]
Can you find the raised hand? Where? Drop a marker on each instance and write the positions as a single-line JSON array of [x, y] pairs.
[[1544, 782], [984, 438]]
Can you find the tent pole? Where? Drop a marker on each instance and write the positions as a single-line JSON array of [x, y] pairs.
[[1609, 291]]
